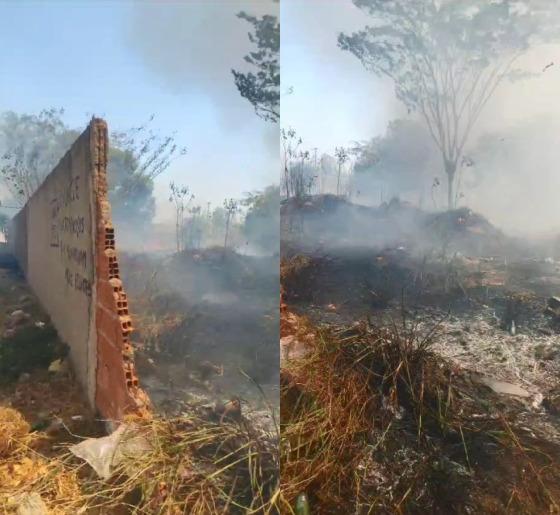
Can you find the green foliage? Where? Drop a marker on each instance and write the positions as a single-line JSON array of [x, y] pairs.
[[262, 87], [262, 222], [137, 157], [31, 146], [130, 193]]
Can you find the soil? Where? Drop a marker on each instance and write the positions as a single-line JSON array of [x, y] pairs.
[[206, 328], [51, 401], [479, 296]]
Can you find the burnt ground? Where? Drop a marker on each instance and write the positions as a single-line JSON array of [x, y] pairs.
[[36, 379], [206, 328], [470, 301], [201, 463], [477, 295], [470, 323]]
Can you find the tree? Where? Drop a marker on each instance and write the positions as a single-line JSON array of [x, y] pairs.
[[290, 144], [136, 157], [130, 193], [181, 197], [262, 221], [300, 173], [341, 157], [195, 227], [262, 87], [230, 206], [149, 155], [447, 58], [31, 147]]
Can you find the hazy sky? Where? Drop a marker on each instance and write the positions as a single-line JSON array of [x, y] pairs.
[[124, 60], [335, 101]]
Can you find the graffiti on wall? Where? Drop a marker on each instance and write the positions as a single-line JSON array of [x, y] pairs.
[[69, 238]]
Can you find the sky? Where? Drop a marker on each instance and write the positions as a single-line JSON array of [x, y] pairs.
[[124, 61], [334, 100]]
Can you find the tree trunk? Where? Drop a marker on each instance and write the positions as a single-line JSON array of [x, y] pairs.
[[450, 169], [338, 181], [177, 240], [226, 236]]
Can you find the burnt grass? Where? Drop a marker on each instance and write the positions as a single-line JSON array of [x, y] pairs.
[[204, 310], [373, 419], [33, 343], [373, 422]]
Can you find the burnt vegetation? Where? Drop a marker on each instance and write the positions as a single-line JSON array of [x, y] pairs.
[[419, 339]]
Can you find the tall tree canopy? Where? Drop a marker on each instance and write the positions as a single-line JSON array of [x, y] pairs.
[[447, 57], [261, 87], [31, 146]]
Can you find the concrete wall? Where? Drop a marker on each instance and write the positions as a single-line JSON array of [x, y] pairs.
[[64, 242]]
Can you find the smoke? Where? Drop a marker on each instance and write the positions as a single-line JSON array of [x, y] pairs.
[[190, 48], [193, 46], [335, 100], [513, 177]]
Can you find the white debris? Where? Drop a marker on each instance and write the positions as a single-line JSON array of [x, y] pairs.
[[106, 453]]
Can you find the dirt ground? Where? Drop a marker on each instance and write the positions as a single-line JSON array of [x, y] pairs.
[[481, 306], [48, 399], [206, 329], [205, 460], [469, 312]]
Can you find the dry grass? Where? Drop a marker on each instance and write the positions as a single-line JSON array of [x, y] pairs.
[[373, 422], [193, 466], [14, 431]]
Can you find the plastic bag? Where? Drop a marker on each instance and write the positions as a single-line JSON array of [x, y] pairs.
[[108, 452]]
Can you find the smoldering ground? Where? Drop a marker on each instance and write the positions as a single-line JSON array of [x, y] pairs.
[[382, 274]]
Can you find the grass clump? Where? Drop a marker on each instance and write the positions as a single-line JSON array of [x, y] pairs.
[[372, 421], [191, 465]]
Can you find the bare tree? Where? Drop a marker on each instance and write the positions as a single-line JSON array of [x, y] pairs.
[[302, 175], [447, 58], [149, 154], [341, 157], [231, 207], [181, 197], [290, 145]]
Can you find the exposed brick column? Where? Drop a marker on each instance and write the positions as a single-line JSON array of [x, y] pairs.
[[117, 391]]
